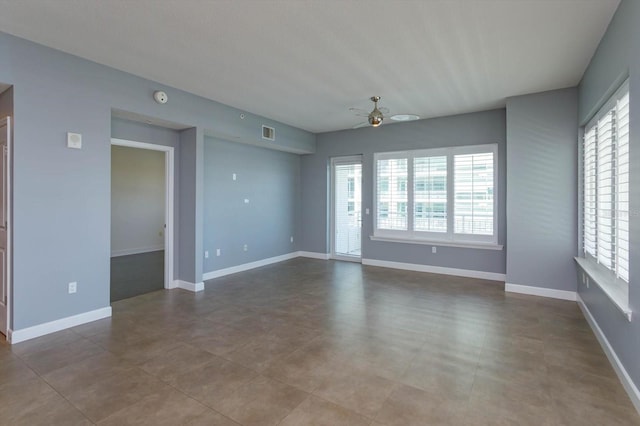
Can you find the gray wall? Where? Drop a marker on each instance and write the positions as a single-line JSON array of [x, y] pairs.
[[619, 55], [62, 196], [270, 180], [542, 144], [467, 129], [137, 200]]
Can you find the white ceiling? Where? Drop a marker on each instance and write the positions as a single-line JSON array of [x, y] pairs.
[[305, 62]]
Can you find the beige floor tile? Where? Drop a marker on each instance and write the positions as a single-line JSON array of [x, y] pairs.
[[212, 418], [304, 369], [166, 408], [408, 406], [359, 391], [47, 360], [100, 399], [317, 412], [213, 382], [176, 361], [262, 402]]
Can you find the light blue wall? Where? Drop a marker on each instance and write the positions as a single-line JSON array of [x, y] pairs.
[[619, 55], [542, 145], [270, 180], [61, 196], [468, 129]]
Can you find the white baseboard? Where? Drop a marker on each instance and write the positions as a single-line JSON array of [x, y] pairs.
[[627, 383], [541, 291], [435, 269], [246, 266], [17, 336], [314, 255], [186, 285], [139, 250]]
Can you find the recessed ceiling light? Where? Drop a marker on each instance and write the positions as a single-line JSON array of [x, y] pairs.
[[405, 117]]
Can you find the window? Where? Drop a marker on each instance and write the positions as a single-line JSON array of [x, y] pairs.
[[606, 186], [351, 208], [351, 187], [444, 194], [394, 171]]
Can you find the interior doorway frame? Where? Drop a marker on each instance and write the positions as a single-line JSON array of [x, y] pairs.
[[351, 159], [169, 281]]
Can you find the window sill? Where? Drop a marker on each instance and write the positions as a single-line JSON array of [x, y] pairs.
[[473, 245], [616, 290]]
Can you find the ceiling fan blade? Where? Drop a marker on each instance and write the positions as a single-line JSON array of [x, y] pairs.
[[358, 126], [360, 112], [383, 110]]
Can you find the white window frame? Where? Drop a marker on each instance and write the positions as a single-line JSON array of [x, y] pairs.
[[437, 238]]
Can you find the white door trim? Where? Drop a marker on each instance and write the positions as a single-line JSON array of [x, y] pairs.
[[169, 207], [351, 159], [8, 270]]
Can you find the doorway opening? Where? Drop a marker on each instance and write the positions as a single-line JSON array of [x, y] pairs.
[[141, 218], [346, 211]]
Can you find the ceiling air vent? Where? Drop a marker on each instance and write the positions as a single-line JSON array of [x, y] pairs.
[[268, 133]]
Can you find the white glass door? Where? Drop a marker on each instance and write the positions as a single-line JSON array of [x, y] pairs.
[[347, 208]]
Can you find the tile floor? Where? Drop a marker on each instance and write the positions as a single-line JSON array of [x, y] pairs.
[[308, 342], [136, 274]]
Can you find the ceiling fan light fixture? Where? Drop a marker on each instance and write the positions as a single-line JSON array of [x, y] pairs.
[[405, 117], [375, 119]]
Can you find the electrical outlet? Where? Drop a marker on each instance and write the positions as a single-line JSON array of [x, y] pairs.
[[206, 254], [434, 249], [246, 247], [218, 252], [73, 287], [246, 201]]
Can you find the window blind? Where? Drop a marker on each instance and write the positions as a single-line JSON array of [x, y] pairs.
[[430, 194], [392, 175], [473, 186], [418, 193], [606, 186]]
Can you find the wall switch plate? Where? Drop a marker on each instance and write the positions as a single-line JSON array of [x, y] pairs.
[[74, 140], [246, 201], [206, 254], [73, 287], [246, 247], [218, 252], [366, 211], [434, 249], [291, 239], [233, 176]]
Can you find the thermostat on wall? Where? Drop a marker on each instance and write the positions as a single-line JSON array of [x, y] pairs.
[[160, 97]]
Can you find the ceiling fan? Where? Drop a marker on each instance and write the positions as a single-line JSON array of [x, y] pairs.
[[375, 117]]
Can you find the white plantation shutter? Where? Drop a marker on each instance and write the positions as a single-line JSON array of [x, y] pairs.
[[590, 192], [439, 195], [606, 186], [430, 194], [392, 191], [622, 188], [473, 200]]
